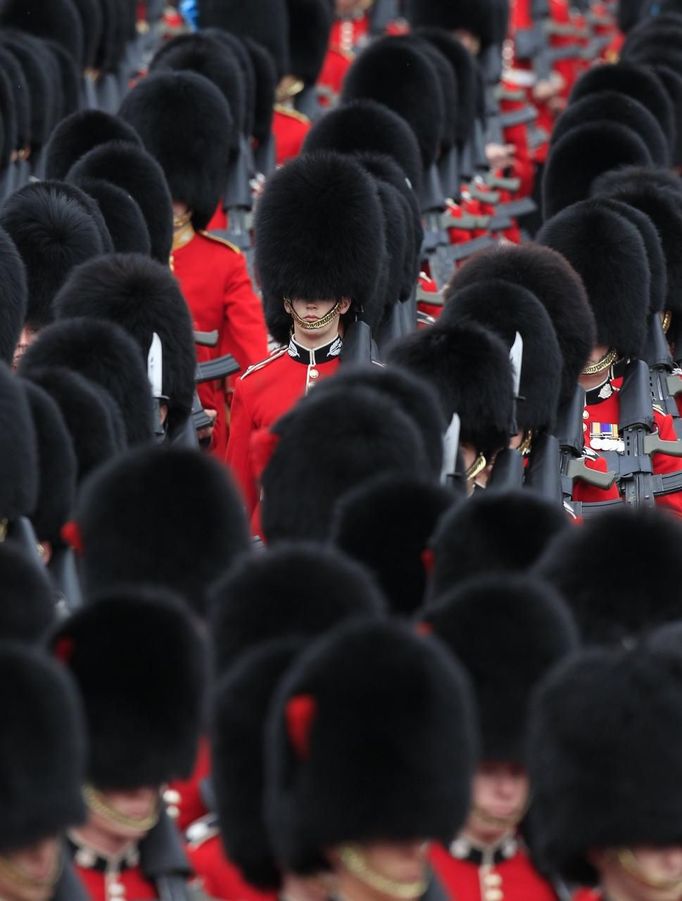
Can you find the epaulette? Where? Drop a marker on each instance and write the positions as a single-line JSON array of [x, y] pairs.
[[219, 240], [275, 355], [292, 113], [202, 830]]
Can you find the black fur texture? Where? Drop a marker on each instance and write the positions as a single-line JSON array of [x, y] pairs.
[[266, 21], [28, 608], [79, 133], [13, 296], [57, 20], [476, 16], [19, 477], [122, 215], [310, 24]]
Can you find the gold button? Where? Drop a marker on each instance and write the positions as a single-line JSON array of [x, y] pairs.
[[170, 796], [492, 880], [493, 894], [173, 812], [313, 374], [586, 414]]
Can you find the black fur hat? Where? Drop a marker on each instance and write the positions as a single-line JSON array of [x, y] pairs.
[[616, 279], [57, 20], [157, 504], [102, 352], [206, 55], [310, 24], [19, 477], [34, 72], [90, 14], [13, 296], [665, 212], [17, 104], [492, 533], [70, 78], [79, 133], [447, 87], [296, 591], [580, 562], [326, 201], [234, 48], [142, 296], [506, 309], [636, 81], [508, 631], [556, 285], [613, 106], [57, 465], [27, 599], [266, 86], [239, 713], [605, 767], [266, 21], [137, 172], [582, 155], [413, 396], [144, 718], [9, 143], [86, 202], [42, 720], [386, 524], [368, 126], [470, 369], [638, 177], [395, 72], [325, 445], [186, 125], [381, 750], [52, 233], [476, 16], [122, 215]]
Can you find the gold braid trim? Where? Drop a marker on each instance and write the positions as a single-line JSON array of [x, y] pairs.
[[601, 365], [97, 804]]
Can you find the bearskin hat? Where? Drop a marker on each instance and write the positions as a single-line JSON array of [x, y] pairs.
[[19, 479], [121, 214], [583, 154], [628, 13], [266, 21], [69, 78], [128, 519], [138, 173], [137, 737], [235, 47], [637, 82], [367, 126], [295, 214], [628, 608], [205, 55], [56, 465], [395, 72], [506, 309], [612, 106], [34, 63], [103, 353], [476, 16], [28, 607], [261, 598], [42, 720], [448, 90], [508, 631], [266, 86], [142, 296], [79, 133], [470, 370], [412, 395], [90, 414], [90, 14], [548, 276], [337, 772], [18, 100], [13, 296], [185, 124], [310, 25], [386, 524], [664, 212], [616, 279], [240, 707], [87, 203], [9, 142], [53, 234], [672, 82], [491, 533], [57, 20], [604, 741], [325, 445]]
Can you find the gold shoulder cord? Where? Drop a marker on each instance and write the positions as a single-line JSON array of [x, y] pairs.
[[601, 365]]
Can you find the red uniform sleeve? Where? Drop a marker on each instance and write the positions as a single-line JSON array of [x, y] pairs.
[[245, 335], [238, 456], [218, 877], [663, 463]]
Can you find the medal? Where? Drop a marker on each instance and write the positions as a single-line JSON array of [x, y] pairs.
[[604, 436]]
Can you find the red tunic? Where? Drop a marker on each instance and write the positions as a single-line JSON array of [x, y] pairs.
[[121, 878], [216, 875], [263, 394], [185, 795], [217, 287], [508, 872], [290, 129], [587, 894]]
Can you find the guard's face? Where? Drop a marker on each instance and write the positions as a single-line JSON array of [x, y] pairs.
[[641, 873], [382, 869], [346, 7], [32, 873], [135, 809], [500, 798]]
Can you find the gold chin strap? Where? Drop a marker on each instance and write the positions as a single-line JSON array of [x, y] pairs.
[[4, 526], [476, 468], [97, 804], [628, 861], [526, 444], [666, 320], [16, 876], [318, 323], [601, 365], [354, 861]]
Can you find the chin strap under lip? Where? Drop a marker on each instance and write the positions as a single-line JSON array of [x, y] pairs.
[[318, 323]]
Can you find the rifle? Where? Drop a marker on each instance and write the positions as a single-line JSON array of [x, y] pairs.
[[543, 473], [665, 384]]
